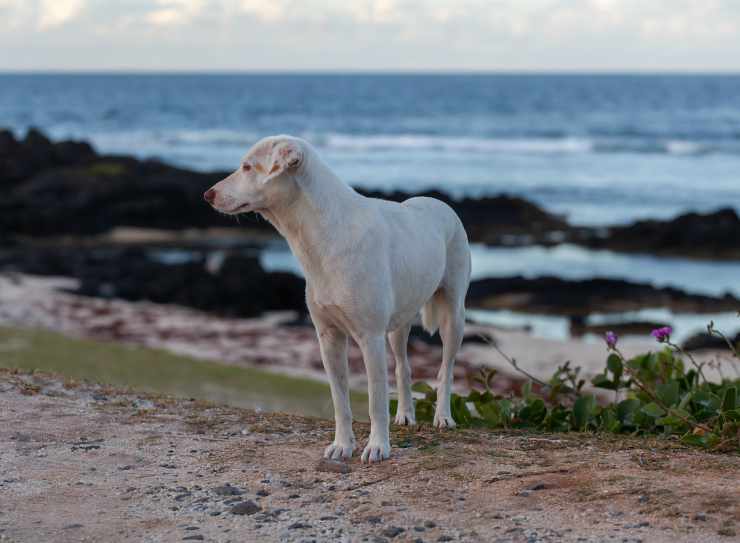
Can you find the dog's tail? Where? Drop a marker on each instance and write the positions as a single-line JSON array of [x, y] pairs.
[[430, 313]]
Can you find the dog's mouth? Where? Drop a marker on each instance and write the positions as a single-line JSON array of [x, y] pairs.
[[243, 208]]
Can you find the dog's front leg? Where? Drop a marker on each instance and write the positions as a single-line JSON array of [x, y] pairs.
[[376, 365], [333, 344]]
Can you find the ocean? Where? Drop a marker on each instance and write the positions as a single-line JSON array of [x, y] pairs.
[[600, 149]]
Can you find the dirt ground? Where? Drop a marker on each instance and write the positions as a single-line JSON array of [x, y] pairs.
[[82, 462]]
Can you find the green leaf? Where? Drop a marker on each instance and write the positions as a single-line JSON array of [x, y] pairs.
[[533, 412], [582, 410], [602, 381], [626, 410], [730, 400], [460, 412], [733, 415], [706, 440], [422, 387], [393, 407], [490, 413], [614, 363], [527, 389], [505, 407], [424, 411], [653, 410], [639, 362], [671, 421], [557, 419], [707, 400], [609, 420], [668, 392]]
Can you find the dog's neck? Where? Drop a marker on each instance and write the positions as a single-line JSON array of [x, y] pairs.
[[311, 221]]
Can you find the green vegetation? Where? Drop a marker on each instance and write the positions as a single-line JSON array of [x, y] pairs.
[[104, 169], [653, 393], [163, 372]]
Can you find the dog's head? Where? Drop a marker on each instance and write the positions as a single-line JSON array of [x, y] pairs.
[[264, 179]]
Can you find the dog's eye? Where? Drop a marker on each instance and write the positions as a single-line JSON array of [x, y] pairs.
[[246, 167]]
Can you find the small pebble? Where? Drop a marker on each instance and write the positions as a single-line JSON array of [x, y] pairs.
[[332, 466], [228, 490], [247, 507], [392, 531]]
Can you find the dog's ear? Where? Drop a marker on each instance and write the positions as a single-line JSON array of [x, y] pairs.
[[286, 156]]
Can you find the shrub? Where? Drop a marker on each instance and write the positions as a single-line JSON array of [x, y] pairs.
[[663, 392]]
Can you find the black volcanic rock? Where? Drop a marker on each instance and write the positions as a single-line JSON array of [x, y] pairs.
[[240, 287], [8, 143], [578, 327], [713, 235], [20, 160], [65, 188], [108, 192], [703, 340], [555, 296], [493, 219]]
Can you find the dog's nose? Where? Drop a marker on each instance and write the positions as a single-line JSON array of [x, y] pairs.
[[209, 196]]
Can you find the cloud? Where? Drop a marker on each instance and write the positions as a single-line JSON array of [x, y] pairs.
[[57, 12], [174, 12], [266, 11], [372, 34]]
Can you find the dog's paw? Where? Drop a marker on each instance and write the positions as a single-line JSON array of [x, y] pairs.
[[337, 451], [375, 452], [444, 421], [406, 418]]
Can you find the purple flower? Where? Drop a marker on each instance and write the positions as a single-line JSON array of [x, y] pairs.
[[662, 334], [611, 339]]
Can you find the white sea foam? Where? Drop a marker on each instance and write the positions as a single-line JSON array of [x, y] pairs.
[[483, 145]]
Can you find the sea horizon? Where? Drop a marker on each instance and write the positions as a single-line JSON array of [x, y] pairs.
[[379, 72]]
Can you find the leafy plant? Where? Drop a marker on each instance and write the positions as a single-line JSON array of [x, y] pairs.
[[654, 393]]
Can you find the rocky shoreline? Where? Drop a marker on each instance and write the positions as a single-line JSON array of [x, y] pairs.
[[66, 188], [232, 282], [66, 207]]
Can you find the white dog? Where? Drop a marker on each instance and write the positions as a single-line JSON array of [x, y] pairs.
[[371, 266]]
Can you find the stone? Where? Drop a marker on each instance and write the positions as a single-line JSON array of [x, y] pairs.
[[247, 507], [332, 466], [393, 531], [227, 490]]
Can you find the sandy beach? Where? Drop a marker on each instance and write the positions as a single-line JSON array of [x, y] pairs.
[[271, 343]]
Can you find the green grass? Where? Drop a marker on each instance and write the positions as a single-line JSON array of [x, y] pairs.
[[104, 169], [154, 370]]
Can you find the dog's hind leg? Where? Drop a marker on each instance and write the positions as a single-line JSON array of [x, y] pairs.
[[451, 329], [398, 341]]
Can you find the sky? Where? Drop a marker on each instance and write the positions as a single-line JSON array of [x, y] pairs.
[[370, 35]]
